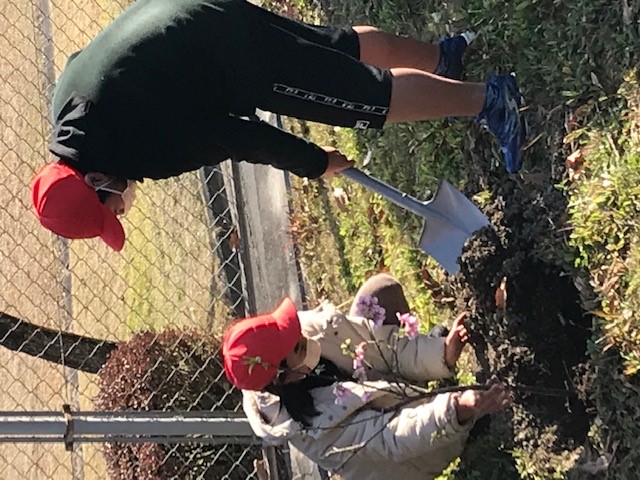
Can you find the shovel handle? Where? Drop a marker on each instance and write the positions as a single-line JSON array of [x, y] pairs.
[[387, 191]]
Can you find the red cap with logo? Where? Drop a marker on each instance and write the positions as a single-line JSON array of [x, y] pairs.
[[253, 348], [67, 206]]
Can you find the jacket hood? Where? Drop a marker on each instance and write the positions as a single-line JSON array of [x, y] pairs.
[[79, 135], [267, 419]]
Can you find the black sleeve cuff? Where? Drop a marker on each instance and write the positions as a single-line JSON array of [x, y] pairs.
[[317, 164]]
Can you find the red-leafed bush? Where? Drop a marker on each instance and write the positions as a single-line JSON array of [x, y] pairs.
[[170, 371]]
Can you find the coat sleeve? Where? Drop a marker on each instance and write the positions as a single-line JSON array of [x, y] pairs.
[[396, 437], [417, 360], [256, 141]]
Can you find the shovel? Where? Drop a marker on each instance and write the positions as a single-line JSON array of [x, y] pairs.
[[450, 217]]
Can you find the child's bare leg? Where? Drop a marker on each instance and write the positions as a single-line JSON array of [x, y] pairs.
[[418, 95], [386, 50]]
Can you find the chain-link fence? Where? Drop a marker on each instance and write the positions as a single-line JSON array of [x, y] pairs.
[[181, 269]]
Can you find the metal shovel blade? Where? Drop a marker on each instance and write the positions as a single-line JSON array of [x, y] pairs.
[[450, 217]]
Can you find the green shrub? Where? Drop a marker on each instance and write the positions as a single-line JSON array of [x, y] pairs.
[[604, 213]]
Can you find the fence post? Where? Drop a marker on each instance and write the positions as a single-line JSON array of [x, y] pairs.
[[220, 214], [44, 29]]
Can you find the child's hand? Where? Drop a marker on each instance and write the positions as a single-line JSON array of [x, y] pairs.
[[456, 340], [473, 404], [337, 162]]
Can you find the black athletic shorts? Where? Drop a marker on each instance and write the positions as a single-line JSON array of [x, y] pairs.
[[304, 71]]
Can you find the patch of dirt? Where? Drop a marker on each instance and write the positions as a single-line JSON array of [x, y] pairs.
[[536, 341]]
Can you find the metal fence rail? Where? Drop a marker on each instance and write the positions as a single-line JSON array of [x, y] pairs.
[[72, 428]]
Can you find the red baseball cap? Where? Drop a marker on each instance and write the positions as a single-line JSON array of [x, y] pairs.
[[253, 348], [67, 206]]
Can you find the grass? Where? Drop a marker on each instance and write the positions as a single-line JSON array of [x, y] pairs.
[[168, 264], [357, 240], [605, 213]]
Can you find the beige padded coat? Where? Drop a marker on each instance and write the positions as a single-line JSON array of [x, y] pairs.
[[358, 438]]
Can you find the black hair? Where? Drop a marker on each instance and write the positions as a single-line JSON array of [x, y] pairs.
[[102, 195], [296, 397]]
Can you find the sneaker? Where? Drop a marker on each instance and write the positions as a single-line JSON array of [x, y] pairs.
[[501, 116], [451, 51]]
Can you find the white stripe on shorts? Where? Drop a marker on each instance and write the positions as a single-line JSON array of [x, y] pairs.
[[323, 99]]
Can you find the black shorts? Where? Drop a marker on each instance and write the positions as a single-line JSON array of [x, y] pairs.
[[305, 71]]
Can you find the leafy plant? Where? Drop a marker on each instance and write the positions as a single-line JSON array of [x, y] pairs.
[[172, 370]]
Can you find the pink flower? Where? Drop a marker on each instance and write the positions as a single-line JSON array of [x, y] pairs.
[[340, 393], [366, 396], [409, 323], [358, 356], [368, 308]]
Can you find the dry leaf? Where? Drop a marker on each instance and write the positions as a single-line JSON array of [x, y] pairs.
[[261, 469], [383, 268], [435, 287], [234, 240], [501, 294], [575, 163], [610, 283], [371, 214], [571, 122], [341, 198], [428, 280], [446, 300]]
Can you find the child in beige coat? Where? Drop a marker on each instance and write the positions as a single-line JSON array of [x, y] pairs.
[[341, 389]]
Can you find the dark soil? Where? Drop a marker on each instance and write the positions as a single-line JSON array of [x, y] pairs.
[[539, 340]]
